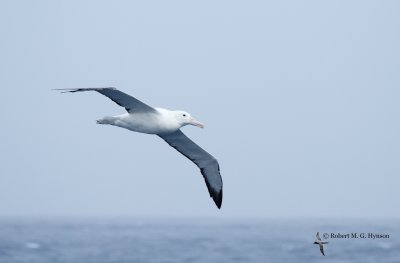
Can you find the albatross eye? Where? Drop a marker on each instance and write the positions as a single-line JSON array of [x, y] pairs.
[[184, 115]]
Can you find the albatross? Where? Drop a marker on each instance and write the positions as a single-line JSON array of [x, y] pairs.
[[166, 124], [320, 243]]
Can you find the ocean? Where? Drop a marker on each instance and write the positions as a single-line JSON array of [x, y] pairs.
[[196, 240]]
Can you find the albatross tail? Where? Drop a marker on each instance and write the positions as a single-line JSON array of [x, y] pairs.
[[107, 120]]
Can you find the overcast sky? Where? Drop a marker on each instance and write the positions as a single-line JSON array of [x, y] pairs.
[[300, 101]]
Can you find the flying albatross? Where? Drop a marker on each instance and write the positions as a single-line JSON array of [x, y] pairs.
[[166, 124], [320, 243]]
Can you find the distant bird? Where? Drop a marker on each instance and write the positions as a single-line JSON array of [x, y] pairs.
[[166, 124], [320, 243]]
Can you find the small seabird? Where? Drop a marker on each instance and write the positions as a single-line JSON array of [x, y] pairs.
[[166, 124], [320, 243]]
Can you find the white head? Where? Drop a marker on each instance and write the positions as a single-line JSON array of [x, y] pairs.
[[184, 118]]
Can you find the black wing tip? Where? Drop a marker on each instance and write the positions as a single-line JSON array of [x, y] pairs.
[[65, 90], [217, 197], [84, 89]]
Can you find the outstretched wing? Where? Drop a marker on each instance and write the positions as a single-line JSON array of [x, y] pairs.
[[130, 103], [208, 165], [318, 238], [321, 248]]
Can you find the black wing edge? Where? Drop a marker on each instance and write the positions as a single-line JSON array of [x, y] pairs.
[[84, 89], [95, 89], [321, 248], [99, 90], [215, 195]]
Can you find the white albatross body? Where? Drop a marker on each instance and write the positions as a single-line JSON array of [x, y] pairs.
[[160, 121], [166, 124]]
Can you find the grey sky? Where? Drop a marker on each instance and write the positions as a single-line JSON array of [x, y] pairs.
[[300, 99]]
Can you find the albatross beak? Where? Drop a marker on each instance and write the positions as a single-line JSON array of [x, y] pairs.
[[196, 123]]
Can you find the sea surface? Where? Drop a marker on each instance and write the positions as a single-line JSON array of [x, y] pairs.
[[196, 240]]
